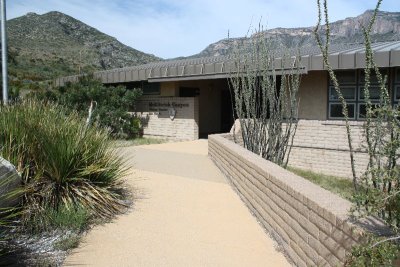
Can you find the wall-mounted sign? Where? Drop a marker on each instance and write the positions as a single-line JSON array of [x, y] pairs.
[[165, 107]]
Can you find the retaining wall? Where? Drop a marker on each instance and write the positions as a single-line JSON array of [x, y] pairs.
[[310, 223]]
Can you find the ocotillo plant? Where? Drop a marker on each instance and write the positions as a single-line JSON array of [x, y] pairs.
[[265, 89], [377, 190]]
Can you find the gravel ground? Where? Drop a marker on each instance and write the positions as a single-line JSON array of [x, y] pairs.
[[39, 250]]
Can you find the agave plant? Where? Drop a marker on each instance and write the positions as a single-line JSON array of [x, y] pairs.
[[63, 163]]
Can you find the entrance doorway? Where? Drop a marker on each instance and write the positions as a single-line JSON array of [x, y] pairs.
[[226, 111]]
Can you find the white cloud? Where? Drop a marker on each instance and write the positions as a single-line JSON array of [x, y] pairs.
[[171, 28]]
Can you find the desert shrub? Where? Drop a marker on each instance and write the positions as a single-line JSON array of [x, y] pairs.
[[63, 163], [265, 99], [111, 104], [373, 253], [377, 190]]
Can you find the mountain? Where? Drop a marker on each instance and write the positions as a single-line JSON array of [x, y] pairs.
[[55, 44], [386, 28]]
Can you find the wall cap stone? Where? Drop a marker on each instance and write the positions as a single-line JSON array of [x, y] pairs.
[[338, 206], [321, 211]]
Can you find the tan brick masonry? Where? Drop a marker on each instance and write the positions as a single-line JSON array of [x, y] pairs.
[[311, 223]]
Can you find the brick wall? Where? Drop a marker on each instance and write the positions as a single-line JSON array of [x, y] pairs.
[[322, 146], [154, 111], [309, 222]]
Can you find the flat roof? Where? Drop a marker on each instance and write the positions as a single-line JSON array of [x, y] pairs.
[[341, 56]]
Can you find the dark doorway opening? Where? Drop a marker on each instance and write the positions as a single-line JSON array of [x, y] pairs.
[[188, 92], [226, 111]]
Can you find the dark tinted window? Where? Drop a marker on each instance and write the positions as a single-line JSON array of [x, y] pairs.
[[348, 92], [335, 110], [188, 92], [151, 88], [345, 77], [374, 92]]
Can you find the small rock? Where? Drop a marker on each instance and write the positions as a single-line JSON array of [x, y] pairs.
[[9, 181]]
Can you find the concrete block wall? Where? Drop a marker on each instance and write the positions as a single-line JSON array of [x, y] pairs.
[[157, 122], [309, 222], [322, 146]]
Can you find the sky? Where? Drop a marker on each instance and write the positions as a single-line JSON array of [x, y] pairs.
[[173, 28]]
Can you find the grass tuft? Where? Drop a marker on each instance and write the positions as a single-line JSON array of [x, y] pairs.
[[73, 218], [337, 185], [63, 163]]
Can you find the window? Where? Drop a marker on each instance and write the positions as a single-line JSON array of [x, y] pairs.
[[374, 96], [362, 110], [348, 85], [348, 92], [352, 87], [335, 110], [374, 93], [188, 92], [151, 88], [346, 77], [396, 92]]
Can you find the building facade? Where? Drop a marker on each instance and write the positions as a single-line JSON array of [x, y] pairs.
[[190, 99]]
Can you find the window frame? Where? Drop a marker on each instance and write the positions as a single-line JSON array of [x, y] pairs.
[[363, 103], [361, 88], [359, 85], [340, 118], [348, 82], [332, 88], [156, 86]]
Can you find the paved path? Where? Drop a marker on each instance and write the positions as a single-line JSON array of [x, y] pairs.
[[186, 214]]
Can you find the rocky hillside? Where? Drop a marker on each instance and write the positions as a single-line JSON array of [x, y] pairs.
[[54, 44], [386, 28]]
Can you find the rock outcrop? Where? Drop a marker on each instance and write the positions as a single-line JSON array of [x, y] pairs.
[[349, 30]]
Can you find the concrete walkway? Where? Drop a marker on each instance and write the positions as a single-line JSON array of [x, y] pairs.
[[186, 214]]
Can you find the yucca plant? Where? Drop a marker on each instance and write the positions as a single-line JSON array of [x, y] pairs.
[[63, 163]]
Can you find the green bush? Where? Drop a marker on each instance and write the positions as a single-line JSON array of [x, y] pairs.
[[63, 162], [373, 254], [63, 218], [111, 104]]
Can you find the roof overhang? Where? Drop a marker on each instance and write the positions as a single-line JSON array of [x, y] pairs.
[[341, 57], [212, 76]]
